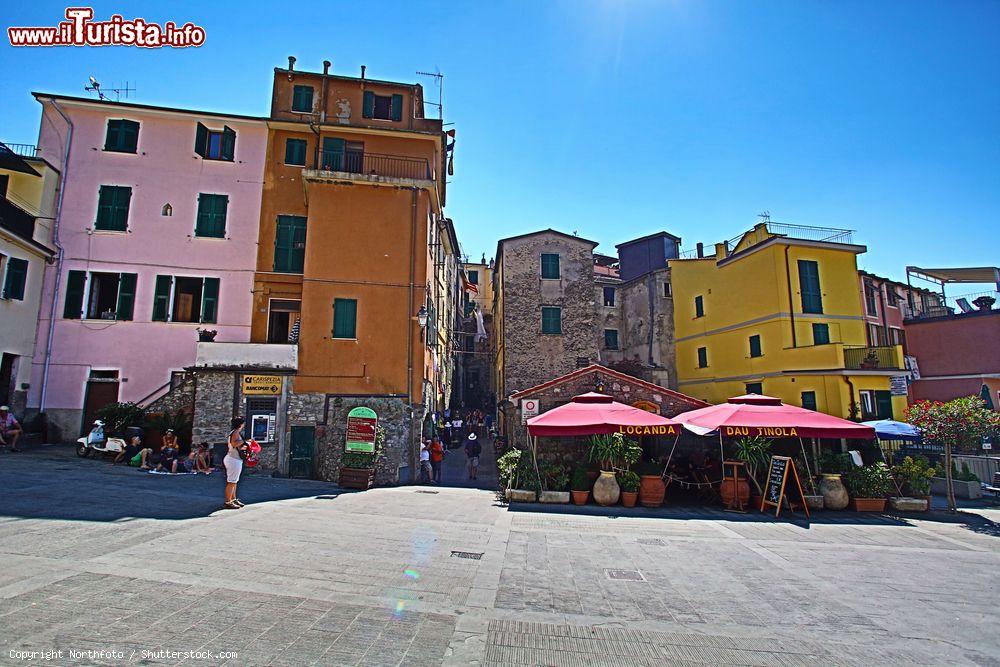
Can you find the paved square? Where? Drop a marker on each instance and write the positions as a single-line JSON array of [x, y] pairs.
[[144, 569]]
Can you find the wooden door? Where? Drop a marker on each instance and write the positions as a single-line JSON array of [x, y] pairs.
[[300, 463], [99, 394]]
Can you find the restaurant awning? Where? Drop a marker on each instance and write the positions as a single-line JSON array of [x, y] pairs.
[[593, 413], [753, 414]]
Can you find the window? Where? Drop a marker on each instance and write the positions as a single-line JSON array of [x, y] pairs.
[[295, 152], [302, 99], [809, 400], [211, 216], [551, 320], [100, 296], [702, 357], [122, 136], [4, 182], [891, 297], [112, 208], [550, 266], [755, 388], [186, 299], [699, 307], [15, 279], [897, 336], [755, 346], [667, 290], [611, 339], [812, 297], [382, 107], [609, 296], [871, 298], [821, 333], [345, 318], [290, 244], [282, 318], [473, 277], [875, 404], [215, 144], [876, 336]]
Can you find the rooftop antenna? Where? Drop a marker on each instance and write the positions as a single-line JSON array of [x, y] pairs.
[[439, 81], [122, 91], [765, 217]]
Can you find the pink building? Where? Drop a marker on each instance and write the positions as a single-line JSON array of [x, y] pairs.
[[158, 230]]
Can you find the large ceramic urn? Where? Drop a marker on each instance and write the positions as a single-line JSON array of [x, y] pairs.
[[606, 489], [834, 494]]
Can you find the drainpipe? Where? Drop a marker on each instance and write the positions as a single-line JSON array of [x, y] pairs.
[[652, 297], [850, 387], [59, 255], [791, 303], [409, 327], [326, 75]]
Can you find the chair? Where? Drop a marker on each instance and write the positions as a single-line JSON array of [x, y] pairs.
[[964, 305]]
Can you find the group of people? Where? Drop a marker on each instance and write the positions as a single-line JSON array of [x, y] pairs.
[[453, 428], [169, 458], [432, 453]]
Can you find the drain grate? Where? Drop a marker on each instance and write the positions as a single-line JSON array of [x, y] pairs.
[[624, 575], [651, 541], [471, 555], [425, 491]]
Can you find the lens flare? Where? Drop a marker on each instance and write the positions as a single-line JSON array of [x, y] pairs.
[[412, 574]]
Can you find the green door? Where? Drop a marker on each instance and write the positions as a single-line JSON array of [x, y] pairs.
[[883, 405], [300, 462]]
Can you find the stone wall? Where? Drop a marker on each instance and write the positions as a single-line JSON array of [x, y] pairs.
[[215, 404], [180, 398], [647, 327]]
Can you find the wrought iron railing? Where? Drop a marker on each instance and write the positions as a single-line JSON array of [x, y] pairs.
[[882, 357], [24, 150], [376, 164]]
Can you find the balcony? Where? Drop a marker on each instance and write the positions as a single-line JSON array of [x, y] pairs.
[[376, 168], [15, 219], [255, 356], [880, 358], [23, 150]]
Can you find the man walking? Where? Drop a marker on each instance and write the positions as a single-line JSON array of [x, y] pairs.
[[426, 472], [10, 430], [472, 451], [437, 455]]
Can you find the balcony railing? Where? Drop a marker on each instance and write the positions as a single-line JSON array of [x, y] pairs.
[[376, 164], [883, 357], [24, 150]]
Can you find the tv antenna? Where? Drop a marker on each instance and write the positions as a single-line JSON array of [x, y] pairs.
[[765, 217], [439, 82], [95, 87]]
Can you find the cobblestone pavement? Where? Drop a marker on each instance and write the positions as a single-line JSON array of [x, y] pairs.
[[98, 558]]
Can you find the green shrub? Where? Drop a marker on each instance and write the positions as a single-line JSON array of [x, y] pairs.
[[581, 481], [835, 463], [650, 468], [868, 481], [358, 460], [628, 481], [507, 467], [119, 416], [614, 451], [555, 476], [914, 475]]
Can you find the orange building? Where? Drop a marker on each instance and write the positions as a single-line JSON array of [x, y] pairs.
[[351, 223]]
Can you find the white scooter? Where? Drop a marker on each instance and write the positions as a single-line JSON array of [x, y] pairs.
[[96, 441]]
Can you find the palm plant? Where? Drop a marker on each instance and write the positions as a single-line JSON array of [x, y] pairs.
[[614, 451], [755, 452]]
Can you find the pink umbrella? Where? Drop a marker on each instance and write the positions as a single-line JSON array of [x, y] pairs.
[[593, 413], [754, 414]]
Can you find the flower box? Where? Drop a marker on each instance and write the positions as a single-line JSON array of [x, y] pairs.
[[905, 504], [357, 478], [521, 495], [968, 490], [553, 497], [867, 504]]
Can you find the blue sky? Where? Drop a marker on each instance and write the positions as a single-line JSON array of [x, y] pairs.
[[616, 119]]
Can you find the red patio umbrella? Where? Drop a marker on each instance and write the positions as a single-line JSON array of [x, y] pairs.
[[754, 414], [593, 413]]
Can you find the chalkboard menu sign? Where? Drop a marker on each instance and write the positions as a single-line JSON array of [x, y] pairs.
[[777, 479]]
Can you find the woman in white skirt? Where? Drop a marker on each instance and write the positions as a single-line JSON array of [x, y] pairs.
[[234, 463]]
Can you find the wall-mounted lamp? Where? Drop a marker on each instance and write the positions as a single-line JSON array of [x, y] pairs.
[[422, 317]]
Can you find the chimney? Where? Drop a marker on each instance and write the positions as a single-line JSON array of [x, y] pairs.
[[363, 68], [701, 250], [291, 63], [326, 67], [721, 250]]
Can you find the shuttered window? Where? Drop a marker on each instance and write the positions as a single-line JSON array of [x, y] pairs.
[[821, 333], [15, 279], [76, 282], [333, 154], [122, 136], [161, 298], [211, 216], [611, 339], [126, 296], [290, 244], [210, 301], [812, 297], [702, 357], [551, 320], [699, 306], [550, 265], [112, 208], [345, 318], [295, 152], [302, 99], [382, 107], [215, 145], [755, 346], [809, 400]]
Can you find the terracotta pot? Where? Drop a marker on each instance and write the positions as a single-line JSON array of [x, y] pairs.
[[629, 498], [606, 489], [356, 478], [651, 490], [834, 494], [868, 504], [729, 490], [580, 497]]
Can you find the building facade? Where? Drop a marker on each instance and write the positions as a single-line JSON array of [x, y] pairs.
[[474, 348], [28, 187], [158, 234], [776, 311]]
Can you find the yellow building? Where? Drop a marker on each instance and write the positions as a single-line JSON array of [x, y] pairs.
[[776, 311]]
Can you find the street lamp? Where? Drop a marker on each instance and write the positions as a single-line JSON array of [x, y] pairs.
[[422, 317]]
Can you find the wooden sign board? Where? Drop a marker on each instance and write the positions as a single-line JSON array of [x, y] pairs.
[[361, 430], [777, 479]]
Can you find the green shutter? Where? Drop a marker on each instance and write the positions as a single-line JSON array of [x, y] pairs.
[[699, 306], [754, 388], [122, 136], [295, 152], [126, 296], [755, 346], [17, 275], [228, 144], [75, 284], [812, 297], [550, 265], [290, 244], [821, 333], [302, 99], [333, 154], [368, 106], [551, 320], [396, 107], [345, 318], [161, 298], [809, 400], [112, 138], [883, 404], [210, 301], [702, 357], [112, 208], [611, 339], [211, 220], [105, 207], [201, 140]]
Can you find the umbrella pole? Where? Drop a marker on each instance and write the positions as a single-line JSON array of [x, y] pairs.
[[805, 459], [534, 459], [722, 452], [671, 456]]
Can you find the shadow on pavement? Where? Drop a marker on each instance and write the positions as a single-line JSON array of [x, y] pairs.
[[50, 482]]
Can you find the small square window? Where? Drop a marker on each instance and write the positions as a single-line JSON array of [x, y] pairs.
[[755, 350], [122, 136], [611, 339], [551, 320], [755, 388], [821, 333], [550, 266], [809, 400], [302, 99], [667, 290], [295, 152], [609, 296]]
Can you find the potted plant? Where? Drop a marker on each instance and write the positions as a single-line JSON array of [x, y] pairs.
[[831, 485], [207, 335], [985, 302], [629, 483], [868, 486], [813, 499], [506, 470], [580, 486], [357, 470], [651, 486], [755, 452], [555, 479], [965, 483], [613, 453], [913, 477]]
